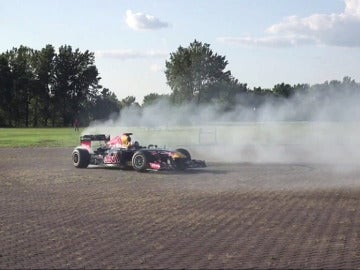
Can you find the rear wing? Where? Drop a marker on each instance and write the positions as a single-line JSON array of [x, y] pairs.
[[86, 140], [97, 137]]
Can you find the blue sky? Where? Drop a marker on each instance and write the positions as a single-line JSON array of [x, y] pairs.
[[265, 41]]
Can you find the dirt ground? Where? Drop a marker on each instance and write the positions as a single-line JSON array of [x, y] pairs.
[[242, 215]]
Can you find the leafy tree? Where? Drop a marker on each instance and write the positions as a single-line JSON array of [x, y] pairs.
[[225, 93], [105, 105], [283, 90], [128, 101], [152, 98], [191, 71], [44, 73], [75, 81], [20, 63], [301, 88], [350, 84], [6, 93], [36, 86]]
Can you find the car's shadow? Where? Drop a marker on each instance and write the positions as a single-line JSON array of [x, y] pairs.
[[192, 171], [206, 170]]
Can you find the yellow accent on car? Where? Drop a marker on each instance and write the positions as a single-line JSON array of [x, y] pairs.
[[178, 155]]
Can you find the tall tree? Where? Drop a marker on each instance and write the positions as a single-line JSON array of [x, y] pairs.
[[6, 93], [75, 81], [190, 71], [128, 101], [105, 105], [283, 90], [20, 62], [225, 93], [152, 98], [44, 70]]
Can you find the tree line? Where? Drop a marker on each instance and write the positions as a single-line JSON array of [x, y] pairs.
[[48, 87]]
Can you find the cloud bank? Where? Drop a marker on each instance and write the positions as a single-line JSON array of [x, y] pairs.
[[141, 21], [341, 30], [130, 54]]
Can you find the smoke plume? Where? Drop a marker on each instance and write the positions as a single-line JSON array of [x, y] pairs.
[[306, 128]]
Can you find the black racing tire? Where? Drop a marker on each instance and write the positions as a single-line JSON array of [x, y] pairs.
[[140, 161], [180, 164], [81, 158], [184, 152]]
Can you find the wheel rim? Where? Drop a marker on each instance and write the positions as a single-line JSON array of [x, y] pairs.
[[138, 161], [76, 158]]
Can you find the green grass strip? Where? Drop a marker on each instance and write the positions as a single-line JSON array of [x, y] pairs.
[[39, 137]]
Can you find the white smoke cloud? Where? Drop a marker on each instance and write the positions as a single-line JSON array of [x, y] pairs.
[[141, 21], [263, 134], [341, 29]]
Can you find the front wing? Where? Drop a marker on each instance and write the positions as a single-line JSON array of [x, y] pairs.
[[190, 164]]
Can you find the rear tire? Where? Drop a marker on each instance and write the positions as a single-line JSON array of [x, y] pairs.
[[81, 158], [140, 161], [184, 152]]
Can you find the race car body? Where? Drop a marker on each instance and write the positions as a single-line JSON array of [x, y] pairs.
[[103, 151]]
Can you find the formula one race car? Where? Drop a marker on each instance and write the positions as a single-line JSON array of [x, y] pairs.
[[120, 152]]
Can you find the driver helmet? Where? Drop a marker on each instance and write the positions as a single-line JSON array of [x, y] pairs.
[[125, 139]]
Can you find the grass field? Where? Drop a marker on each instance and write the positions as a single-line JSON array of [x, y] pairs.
[[304, 133], [34, 137]]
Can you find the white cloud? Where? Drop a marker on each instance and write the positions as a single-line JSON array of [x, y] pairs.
[[270, 41], [322, 29], [131, 54], [141, 21], [352, 8]]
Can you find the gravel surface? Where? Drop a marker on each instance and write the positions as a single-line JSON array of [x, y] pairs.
[[228, 215]]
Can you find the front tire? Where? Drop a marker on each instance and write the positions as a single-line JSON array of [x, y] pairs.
[[81, 158], [140, 161], [184, 152], [180, 164]]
